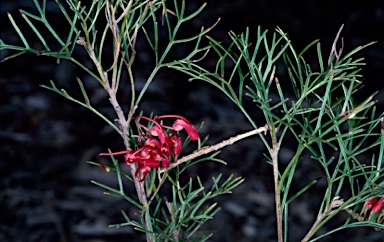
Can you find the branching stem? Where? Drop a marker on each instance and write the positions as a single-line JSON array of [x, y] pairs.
[[111, 89]]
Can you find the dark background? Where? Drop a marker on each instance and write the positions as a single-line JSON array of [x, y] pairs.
[[45, 189]]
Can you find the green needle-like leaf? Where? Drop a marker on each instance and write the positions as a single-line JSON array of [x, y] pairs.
[[18, 31]]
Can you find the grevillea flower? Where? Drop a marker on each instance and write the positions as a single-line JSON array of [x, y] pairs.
[[157, 145]]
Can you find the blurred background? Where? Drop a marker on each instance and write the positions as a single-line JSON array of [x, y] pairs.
[[45, 189]]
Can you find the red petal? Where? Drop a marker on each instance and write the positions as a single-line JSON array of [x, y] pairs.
[[144, 170], [165, 162], [159, 132], [378, 206], [177, 143], [371, 202], [153, 142], [179, 124], [152, 163], [166, 149]]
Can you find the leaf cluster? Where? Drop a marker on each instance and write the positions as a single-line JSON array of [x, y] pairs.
[[318, 109]]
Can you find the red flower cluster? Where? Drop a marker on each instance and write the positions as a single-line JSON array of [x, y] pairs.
[[157, 146]]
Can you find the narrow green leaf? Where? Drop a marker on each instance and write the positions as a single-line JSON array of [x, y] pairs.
[[18, 31], [194, 14], [303, 190], [36, 31]]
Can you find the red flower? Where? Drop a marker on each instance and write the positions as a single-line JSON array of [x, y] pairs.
[[156, 146]]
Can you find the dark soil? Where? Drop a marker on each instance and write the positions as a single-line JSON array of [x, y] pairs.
[[45, 189]]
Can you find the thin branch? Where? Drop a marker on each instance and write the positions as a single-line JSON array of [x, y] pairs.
[[126, 10], [209, 149], [161, 182], [113, 25], [132, 44], [279, 215], [201, 58], [354, 214], [335, 203], [334, 50]]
